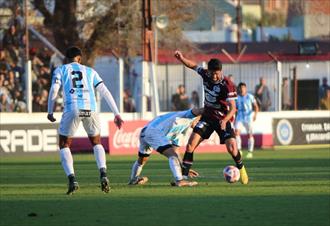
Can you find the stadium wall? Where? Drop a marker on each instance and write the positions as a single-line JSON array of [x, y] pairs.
[[22, 133]]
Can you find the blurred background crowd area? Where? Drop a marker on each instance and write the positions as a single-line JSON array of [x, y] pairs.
[[108, 27], [12, 68]]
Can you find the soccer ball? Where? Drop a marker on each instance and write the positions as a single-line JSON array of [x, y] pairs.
[[231, 174]]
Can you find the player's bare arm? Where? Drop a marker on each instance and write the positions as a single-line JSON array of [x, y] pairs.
[[188, 63], [231, 113]]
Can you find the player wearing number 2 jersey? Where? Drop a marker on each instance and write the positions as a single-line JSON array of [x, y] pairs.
[[78, 82], [219, 110]]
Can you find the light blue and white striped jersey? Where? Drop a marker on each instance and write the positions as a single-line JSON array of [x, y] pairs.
[[78, 82], [167, 122], [244, 106]]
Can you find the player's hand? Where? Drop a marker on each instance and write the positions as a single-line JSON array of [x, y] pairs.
[[192, 173], [254, 118], [51, 118], [223, 124], [118, 121], [178, 55]]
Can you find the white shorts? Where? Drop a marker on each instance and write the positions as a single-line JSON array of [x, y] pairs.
[[247, 125], [151, 139], [70, 122]]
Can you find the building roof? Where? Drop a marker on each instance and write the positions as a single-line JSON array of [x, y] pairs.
[[255, 52]]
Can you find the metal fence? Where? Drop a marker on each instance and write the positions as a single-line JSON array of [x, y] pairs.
[[170, 76]]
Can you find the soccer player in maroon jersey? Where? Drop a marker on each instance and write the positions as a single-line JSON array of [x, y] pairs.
[[219, 111]]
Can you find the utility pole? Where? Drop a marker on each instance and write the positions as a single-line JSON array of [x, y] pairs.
[[239, 26], [147, 30], [148, 64]]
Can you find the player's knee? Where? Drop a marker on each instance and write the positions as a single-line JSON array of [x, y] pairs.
[[64, 142], [95, 140]]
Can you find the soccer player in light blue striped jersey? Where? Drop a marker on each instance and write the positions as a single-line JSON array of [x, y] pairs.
[[164, 134], [78, 82], [247, 110]]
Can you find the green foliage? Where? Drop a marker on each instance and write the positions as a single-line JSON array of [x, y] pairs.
[[277, 19], [287, 187], [112, 25], [250, 21], [274, 19]]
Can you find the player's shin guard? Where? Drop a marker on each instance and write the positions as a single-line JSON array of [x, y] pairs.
[[67, 161], [239, 142], [175, 167], [136, 170], [187, 162], [251, 144], [238, 160]]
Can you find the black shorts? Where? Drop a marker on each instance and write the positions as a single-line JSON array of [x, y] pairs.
[[206, 127]]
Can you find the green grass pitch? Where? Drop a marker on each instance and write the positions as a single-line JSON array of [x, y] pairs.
[[287, 187]]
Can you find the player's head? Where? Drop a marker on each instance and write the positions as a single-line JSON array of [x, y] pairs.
[[214, 66], [262, 81], [242, 88], [73, 54], [181, 89]]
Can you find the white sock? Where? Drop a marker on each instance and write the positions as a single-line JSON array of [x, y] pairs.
[[239, 142], [99, 155], [251, 144], [136, 170], [67, 161], [175, 167]]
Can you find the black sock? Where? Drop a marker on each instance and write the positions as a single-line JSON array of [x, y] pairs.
[[238, 160], [103, 172], [187, 162], [71, 178]]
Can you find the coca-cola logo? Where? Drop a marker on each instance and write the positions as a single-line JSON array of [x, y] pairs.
[[126, 139]]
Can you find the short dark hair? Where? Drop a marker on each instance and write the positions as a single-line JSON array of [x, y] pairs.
[[214, 65], [72, 52], [241, 84]]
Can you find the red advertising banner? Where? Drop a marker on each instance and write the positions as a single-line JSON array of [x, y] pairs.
[[126, 140]]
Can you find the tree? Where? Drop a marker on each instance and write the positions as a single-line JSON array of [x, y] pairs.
[[115, 25]]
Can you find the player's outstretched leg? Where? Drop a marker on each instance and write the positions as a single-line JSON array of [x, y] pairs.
[[137, 167], [175, 167], [187, 162], [236, 155], [73, 185]]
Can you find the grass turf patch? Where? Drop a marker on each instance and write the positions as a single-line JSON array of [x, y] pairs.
[[287, 187]]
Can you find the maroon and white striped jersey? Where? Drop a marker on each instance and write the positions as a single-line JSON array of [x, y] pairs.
[[217, 95]]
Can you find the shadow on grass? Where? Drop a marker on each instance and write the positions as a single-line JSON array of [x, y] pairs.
[[169, 211]]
